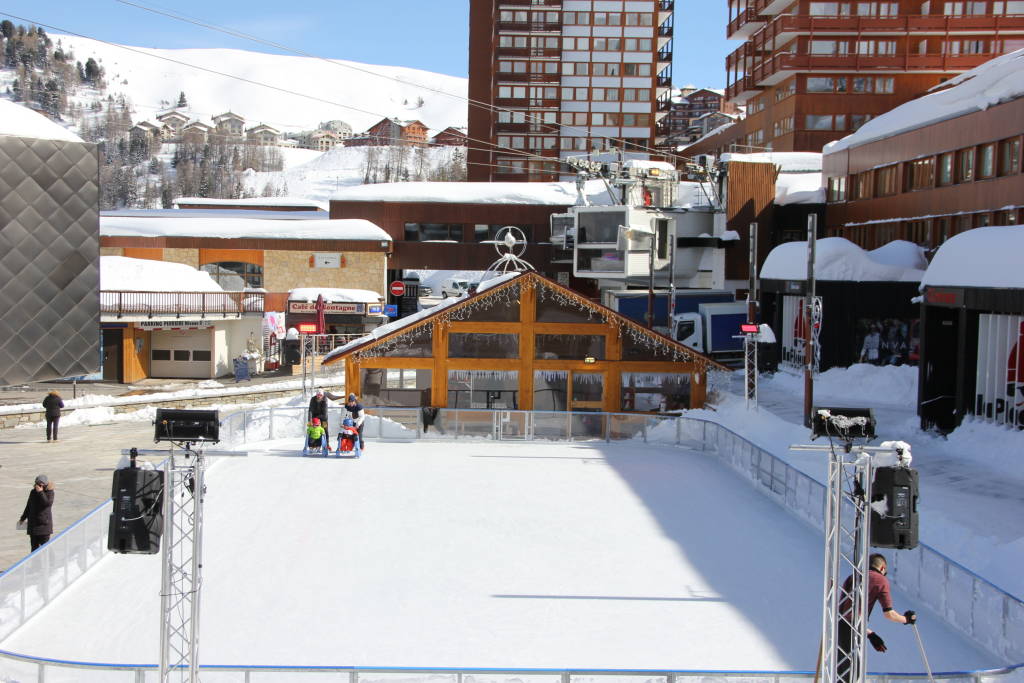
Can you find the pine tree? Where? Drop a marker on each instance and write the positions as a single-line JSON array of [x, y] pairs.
[[182, 101]]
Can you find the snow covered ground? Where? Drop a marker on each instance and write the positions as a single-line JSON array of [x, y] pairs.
[[483, 554]]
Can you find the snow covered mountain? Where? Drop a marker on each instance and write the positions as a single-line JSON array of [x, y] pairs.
[[308, 90]]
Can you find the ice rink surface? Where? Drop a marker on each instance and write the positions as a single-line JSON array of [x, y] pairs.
[[484, 554]]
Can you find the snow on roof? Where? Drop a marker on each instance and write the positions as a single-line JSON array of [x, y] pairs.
[[692, 194], [982, 257], [120, 273], [788, 162], [997, 80], [334, 295], [552, 194], [837, 258], [312, 215], [646, 164], [22, 122], [707, 135], [254, 201], [263, 228], [799, 188]]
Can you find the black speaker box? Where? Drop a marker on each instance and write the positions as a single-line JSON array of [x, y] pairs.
[[838, 425], [187, 425], [138, 517], [898, 527]]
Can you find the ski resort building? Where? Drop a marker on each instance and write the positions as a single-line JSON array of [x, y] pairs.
[[524, 342], [49, 238], [936, 166]]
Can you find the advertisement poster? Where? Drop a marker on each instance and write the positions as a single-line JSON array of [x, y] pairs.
[[999, 381], [887, 341]]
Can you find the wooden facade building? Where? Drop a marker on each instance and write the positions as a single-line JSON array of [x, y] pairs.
[[525, 343]]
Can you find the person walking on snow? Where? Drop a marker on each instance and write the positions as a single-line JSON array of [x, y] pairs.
[[38, 512], [878, 591], [52, 404], [357, 413], [318, 406]]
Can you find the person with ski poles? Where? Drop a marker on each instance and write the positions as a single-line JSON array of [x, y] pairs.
[[878, 591]]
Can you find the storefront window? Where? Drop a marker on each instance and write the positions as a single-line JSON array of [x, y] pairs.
[[473, 345], [483, 389], [655, 391], [408, 387], [569, 346]]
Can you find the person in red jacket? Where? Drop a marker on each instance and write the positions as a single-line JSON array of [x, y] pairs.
[[38, 512], [878, 591]]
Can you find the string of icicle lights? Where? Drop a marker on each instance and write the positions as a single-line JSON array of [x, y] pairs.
[[509, 295]]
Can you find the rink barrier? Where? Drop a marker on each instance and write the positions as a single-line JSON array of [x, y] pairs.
[[972, 605]]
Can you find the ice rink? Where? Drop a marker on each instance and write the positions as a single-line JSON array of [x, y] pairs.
[[484, 554]]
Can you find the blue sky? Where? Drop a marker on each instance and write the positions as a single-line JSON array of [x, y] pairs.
[[430, 35]]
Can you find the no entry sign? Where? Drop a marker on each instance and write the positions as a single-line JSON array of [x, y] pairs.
[[397, 288]]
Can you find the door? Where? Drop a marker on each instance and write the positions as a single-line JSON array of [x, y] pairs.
[[184, 354], [941, 345], [587, 392], [113, 365]]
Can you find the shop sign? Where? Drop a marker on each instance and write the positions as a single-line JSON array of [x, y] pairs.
[[173, 325], [999, 380], [345, 308], [939, 296], [327, 260], [375, 309]]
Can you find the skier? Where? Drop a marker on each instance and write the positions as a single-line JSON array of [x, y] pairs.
[[878, 591], [356, 412], [316, 437]]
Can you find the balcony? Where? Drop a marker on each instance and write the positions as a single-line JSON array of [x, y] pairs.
[[118, 304], [787, 26], [550, 79], [528, 51], [530, 26], [531, 3], [744, 25]]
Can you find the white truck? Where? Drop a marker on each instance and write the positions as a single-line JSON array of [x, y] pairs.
[[713, 330]]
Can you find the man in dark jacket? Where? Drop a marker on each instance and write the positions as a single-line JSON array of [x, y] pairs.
[[318, 407], [38, 512], [52, 405]]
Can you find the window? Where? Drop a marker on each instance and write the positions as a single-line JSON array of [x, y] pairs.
[[569, 346], [426, 232], [987, 161], [785, 90], [473, 345], [783, 126], [946, 169], [576, 18], [864, 185], [655, 391], [858, 120], [483, 389], [235, 276], [200, 355], [877, 9], [969, 8], [825, 122], [395, 386], [161, 354], [885, 84], [181, 355], [1009, 156], [826, 84], [965, 165], [922, 174], [886, 180], [829, 47], [636, 69], [829, 9], [876, 47], [837, 189]]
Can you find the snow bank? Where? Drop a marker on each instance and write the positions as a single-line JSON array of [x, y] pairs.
[[860, 383], [22, 122], [547, 194], [983, 257], [120, 273], [788, 162], [233, 227], [799, 188], [997, 80], [837, 258], [334, 295]]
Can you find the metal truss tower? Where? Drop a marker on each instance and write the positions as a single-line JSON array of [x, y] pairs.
[[181, 579]]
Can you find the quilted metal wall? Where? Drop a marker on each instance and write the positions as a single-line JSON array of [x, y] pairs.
[[49, 259]]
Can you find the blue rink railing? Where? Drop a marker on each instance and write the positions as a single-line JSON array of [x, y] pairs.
[[979, 610]]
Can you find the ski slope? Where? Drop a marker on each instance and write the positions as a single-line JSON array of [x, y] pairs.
[[484, 554]]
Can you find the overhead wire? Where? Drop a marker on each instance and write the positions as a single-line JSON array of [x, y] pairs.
[[472, 102]]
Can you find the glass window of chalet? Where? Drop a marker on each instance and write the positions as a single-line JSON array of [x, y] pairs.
[[497, 309], [550, 389], [550, 310], [637, 349], [407, 387], [476, 345], [412, 346], [655, 391], [235, 276], [569, 346], [483, 389], [1009, 156]]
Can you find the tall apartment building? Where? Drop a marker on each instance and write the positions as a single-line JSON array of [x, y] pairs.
[[811, 72], [562, 78]]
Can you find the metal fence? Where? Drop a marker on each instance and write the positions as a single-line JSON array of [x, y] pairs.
[[981, 611]]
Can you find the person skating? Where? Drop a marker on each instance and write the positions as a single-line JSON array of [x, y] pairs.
[[38, 512], [878, 591], [356, 412], [52, 404], [318, 406]]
